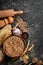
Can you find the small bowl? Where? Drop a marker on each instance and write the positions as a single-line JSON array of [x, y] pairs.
[[25, 35]]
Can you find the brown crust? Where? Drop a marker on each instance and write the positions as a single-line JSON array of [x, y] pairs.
[[19, 53]]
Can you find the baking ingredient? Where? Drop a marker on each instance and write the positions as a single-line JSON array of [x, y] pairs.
[[26, 48], [4, 33], [29, 49], [25, 58], [10, 19], [9, 12], [17, 31], [1, 55], [2, 23], [13, 46], [21, 24]]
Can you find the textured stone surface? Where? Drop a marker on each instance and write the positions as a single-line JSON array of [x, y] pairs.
[[33, 15]]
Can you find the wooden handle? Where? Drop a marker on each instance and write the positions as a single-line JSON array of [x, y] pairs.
[[2, 23], [10, 20], [6, 21], [18, 12], [8, 13]]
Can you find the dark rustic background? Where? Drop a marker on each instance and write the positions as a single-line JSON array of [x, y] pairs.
[[33, 15]]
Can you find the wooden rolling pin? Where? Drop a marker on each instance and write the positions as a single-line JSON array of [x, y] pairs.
[[6, 21], [8, 13]]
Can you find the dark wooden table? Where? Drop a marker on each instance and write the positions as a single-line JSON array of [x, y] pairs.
[[33, 15]]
